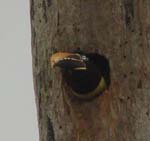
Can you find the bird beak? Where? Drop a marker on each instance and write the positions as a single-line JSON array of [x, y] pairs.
[[68, 61]]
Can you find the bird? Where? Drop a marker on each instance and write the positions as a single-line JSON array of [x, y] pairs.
[[87, 74]]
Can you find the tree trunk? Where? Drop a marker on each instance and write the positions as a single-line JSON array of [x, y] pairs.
[[119, 30]]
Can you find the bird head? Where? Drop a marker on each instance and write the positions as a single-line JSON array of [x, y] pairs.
[[86, 74], [70, 61]]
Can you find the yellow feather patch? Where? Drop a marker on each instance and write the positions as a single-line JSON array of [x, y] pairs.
[[80, 68]]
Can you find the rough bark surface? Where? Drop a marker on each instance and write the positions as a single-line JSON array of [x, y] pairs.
[[118, 29]]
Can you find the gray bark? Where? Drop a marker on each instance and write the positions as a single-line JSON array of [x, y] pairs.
[[120, 30]]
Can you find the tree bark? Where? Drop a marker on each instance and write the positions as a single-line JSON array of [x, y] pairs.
[[119, 30]]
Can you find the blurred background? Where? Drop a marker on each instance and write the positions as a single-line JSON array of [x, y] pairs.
[[18, 121]]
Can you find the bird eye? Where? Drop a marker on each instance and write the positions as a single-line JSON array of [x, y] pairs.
[[84, 58]]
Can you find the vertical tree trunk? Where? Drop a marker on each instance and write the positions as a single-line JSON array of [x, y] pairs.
[[120, 30]]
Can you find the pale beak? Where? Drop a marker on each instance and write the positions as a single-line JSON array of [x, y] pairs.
[[68, 61]]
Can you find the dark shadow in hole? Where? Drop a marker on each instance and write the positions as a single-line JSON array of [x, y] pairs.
[[50, 131], [103, 63], [79, 81]]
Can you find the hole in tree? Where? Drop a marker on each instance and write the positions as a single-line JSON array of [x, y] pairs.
[[86, 81]]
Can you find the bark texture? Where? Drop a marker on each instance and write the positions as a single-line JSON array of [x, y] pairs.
[[120, 30]]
